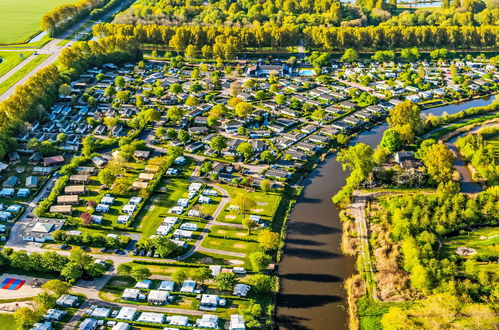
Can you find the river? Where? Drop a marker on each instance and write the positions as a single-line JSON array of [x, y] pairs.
[[313, 269]]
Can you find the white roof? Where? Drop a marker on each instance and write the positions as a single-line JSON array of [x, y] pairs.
[[210, 299], [179, 320], [151, 317], [126, 313], [158, 295], [163, 230], [237, 322], [144, 284], [101, 312], [170, 221], [208, 321], [42, 227], [131, 293], [121, 326], [166, 285]]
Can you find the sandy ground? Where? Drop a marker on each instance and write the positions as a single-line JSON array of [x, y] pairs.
[[25, 291]]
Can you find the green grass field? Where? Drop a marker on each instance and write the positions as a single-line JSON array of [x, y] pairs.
[[10, 60], [22, 72], [7, 321], [20, 19]]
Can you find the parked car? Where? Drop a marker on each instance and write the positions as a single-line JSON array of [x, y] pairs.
[[65, 247]]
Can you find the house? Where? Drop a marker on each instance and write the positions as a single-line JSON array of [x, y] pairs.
[[241, 290], [54, 160], [178, 320], [67, 300], [3, 167], [166, 286], [126, 313], [23, 193], [88, 324], [149, 317], [62, 209], [204, 200], [403, 156], [102, 208], [123, 219], [68, 199], [211, 300], [11, 182], [142, 154], [188, 286], [39, 170], [208, 321], [7, 192], [99, 161], [74, 190], [129, 208], [264, 70], [184, 234], [42, 230], [158, 297], [146, 176], [35, 158], [131, 294], [107, 200], [237, 322], [31, 182], [54, 314], [101, 312], [189, 226], [144, 284], [79, 178], [121, 326], [176, 210]]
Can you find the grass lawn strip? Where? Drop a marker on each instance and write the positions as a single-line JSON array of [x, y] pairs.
[[9, 82], [10, 59]]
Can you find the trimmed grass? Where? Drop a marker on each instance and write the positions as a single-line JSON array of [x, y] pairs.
[[20, 19], [215, 259], [266, 205], [231, 245], [22, 72], [11, 59], [8, 322]]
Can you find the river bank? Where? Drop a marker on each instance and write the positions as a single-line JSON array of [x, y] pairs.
[[313, 268]]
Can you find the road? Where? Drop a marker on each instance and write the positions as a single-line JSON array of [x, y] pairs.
[[52, 49]]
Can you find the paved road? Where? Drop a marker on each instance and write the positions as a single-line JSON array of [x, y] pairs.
[[52, 49]]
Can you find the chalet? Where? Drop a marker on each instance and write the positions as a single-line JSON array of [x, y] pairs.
[[193, 147], [141, 154], [31, 182], [62, 209], [74, 190], [11, 182], [278, 174], [263, 70], [260, 134], [347, 105], [68, 199], [54, 160], [35, 158], [38, 170], [99, 161], [79, 178]]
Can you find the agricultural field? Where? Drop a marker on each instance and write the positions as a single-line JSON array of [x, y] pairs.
[[20, 19]]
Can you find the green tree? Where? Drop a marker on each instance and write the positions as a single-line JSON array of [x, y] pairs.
[[265, 185], [25, 317], [263, 283], [175, 113], [245, 149], [244, 203], [183, 136], [179, 276], [438, 160], [106, 177], [140, 273], [218, 143], [249, 224], [201, 274], [259, 261], [56, 287], [243, 109], [392, 140], [124, 269], [268, 240], [65, 90], [350, 55], [267, 156], [226, 281], [175, 88]]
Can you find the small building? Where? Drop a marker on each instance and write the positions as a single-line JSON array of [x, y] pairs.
[[23, 193], [211, 300], [123, 219], [131, 294], [158, 297], [74, 190], [237, 322], [208, 321], [54, 160], [54, 314], [188, 286], [121, 326], [42, 326], [101, 312], [88, 324], [144, 284], [149, 317], [99, 161], [31, 182], [178, 320], [67, 300], [11, 182], [166, 286], [241, 290], [126, 313], [68, 199], [62, 209]]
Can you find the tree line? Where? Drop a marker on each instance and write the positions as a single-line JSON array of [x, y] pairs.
[[30, 101], [226, 41]]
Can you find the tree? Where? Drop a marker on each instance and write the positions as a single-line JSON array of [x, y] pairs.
[[267, 156], [175, 113], [226, 281], [280, 99], [245, 149], [175, 88], [357, 157], [268, 240], [56, 287], [438, 160], [350, 55], [260, 95], [25, 317], [405, 118], [249, 224], [218, 143], [65, 90], [259, 261], [111, 122], [61, 137], [124, 269], [191, 101], [106, 177], [263, 283], [72, 271], [165, 247], [392, 140], [265, 185], [140, 273], [183, 136], [243, 109], [179, 276], [119, 81], [244, 203], [201, 274], [121, 186]]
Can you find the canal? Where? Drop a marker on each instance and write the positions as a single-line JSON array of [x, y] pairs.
[[313, 268]]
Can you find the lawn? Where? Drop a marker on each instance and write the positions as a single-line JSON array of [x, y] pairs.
[[7, 321], [11, 59], [22, 72], [231, 245], [266, 205], [20, 19]]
